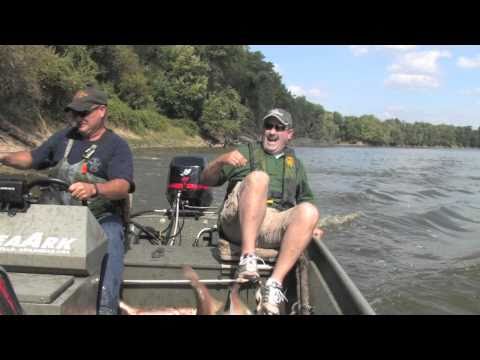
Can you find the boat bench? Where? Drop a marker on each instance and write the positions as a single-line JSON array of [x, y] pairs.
[[229, 252]]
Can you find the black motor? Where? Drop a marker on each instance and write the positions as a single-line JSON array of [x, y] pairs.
[[12, 195], [184, 176]]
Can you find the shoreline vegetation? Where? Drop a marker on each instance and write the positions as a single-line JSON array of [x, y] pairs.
[[183, 96], [177, 139], [160, 140]]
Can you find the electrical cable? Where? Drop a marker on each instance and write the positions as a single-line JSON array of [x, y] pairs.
[[155, 240]]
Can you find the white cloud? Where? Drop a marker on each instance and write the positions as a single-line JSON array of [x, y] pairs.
[[419, 62], [411, 68], [393, 111], [416, 69], [359, 50], [315, 92], [277, 69], [400, 47], [471, 92], [297, 90], [412, 80], [469, 63]]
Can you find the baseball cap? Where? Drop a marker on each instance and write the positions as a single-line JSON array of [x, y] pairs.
[[87, 99], [281, 115]]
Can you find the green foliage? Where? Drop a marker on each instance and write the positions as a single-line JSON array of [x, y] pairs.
[[19, 74], [37, 80], [223, 115], [121, 66], [181, 88], [219, 91], [120, 114], [86, 70], [135, 90], [141, 121], [150, 120], [189, 127]]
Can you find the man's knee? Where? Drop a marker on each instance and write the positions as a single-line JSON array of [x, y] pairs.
[[257, 178], [113, 231], [308, 212]]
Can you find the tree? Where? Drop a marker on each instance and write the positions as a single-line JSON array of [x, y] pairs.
[[120, 65], [181, 88], [37, 81], [396, 133], [223, 116]]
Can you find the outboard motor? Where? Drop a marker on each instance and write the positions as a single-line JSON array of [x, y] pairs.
[[184, 176], [13, 193]]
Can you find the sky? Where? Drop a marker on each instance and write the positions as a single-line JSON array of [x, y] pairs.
[[435, 84]]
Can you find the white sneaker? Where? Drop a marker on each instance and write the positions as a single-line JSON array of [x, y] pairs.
[[248, 268], [272, 297]]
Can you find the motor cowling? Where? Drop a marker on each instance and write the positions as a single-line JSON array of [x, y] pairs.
[[13, 192], [184, 176]]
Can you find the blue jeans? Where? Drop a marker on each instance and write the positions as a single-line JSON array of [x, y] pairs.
[[112, 272]]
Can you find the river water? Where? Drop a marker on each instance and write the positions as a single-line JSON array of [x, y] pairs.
[[404, 223]]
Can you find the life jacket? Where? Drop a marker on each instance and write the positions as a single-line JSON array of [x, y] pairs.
[[286, 198], [72, 173]]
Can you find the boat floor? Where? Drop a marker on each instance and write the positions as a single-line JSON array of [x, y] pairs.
[[330, 289], [140, 265]]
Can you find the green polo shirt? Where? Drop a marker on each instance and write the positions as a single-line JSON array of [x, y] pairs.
[[275, 168]]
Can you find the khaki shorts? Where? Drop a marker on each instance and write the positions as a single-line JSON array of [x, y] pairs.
[[271, 231]]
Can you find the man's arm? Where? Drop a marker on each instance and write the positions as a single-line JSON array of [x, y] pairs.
[[211, 174], [19, 160], [115, 189]]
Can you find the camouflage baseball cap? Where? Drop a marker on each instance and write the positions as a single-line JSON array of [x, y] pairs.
[[281, 115], [85, 100]]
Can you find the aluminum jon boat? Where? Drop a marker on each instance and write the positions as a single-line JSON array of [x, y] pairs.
[[53, 254]]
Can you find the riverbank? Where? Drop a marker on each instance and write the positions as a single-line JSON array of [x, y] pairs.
[[172, 137], [306, 142]]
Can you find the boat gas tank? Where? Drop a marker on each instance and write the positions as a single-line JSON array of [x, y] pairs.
[[184, 179]]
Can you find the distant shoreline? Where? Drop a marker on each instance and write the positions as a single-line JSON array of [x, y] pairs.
[[160, 141]]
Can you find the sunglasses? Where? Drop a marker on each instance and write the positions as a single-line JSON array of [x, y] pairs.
[[278, 127], [83, 113]]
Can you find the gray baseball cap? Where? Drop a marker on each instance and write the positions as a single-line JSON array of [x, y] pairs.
[[281, 115], [85, 100]]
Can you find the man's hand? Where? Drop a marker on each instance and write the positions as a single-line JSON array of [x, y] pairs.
[[18, 160], [211, 173], [318, 233], [234, 158], [82, 191]]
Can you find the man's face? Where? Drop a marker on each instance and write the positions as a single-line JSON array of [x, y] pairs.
[[275, 136], [89, 122]]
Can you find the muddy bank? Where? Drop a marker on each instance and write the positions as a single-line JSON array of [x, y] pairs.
[[170, 139]]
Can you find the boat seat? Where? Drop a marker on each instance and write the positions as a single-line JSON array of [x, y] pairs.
[[228, 252]]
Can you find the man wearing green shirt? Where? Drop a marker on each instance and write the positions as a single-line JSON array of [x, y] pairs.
[[268, 203]]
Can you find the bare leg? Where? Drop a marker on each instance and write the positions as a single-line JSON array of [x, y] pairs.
[[252, 208], [297, 237]]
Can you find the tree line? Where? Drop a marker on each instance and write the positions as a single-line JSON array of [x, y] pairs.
[[219, 92]]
